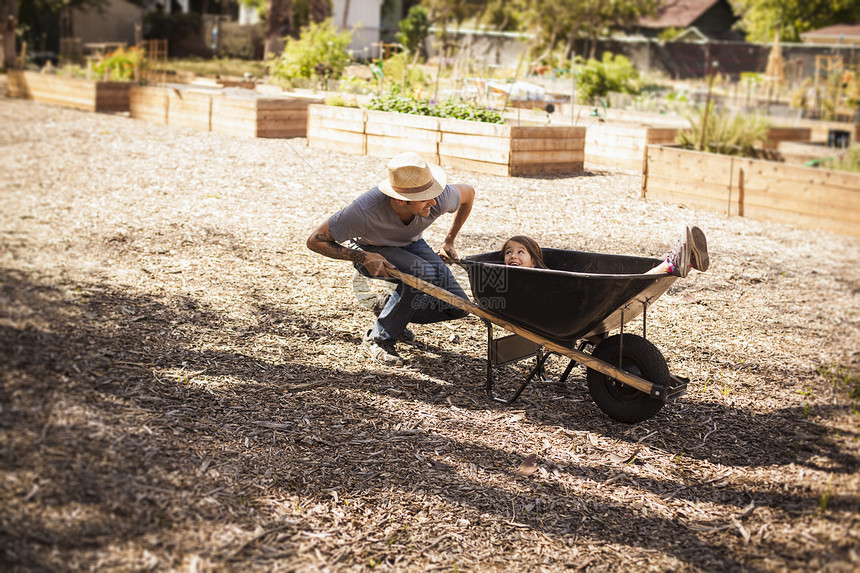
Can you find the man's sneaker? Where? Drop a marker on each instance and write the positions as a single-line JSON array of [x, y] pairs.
[[406, 336], [699, 250], [382, 352], [679, 257]]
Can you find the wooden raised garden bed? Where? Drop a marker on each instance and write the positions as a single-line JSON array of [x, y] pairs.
[[766, 190], [622, 146], [223, 111], [88, 95], [483, 147]]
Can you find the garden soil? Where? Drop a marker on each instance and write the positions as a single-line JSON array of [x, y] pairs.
[[183, 386]]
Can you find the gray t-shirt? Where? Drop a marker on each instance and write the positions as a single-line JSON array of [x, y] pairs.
[[370, 220]]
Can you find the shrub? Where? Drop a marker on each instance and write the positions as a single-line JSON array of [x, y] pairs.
[[614, 73], [725, 134], [319, 53], [119, 65]]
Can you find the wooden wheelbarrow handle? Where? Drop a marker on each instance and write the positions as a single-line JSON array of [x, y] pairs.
[[577, 355]]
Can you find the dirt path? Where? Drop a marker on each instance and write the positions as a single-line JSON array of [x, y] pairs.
[[182, 386]]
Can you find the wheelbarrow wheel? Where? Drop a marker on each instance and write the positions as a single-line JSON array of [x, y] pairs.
[[618, 400]]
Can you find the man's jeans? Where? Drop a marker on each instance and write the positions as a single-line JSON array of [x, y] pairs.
[[408, 304]]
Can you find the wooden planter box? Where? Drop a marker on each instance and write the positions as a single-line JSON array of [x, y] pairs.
[[800, 152], [149, 104], [484, 147], [765, 190], [820, 129], [386, 136], [337, 128], [776, 135], [511, 150], [622, 146], [240, 114], [88, 95]]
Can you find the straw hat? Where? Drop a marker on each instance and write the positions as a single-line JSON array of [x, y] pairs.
[[410, 178]]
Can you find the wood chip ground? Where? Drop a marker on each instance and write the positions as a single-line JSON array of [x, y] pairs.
[[182, 385]]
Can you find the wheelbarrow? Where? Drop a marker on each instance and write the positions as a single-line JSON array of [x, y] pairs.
[[580, 298]]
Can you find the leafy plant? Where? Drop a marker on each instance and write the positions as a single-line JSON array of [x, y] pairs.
[[724, 133], [614, 73], [397, 102], [320, 52], [825, 498], [119, 65], [394, 67], [339, 101]]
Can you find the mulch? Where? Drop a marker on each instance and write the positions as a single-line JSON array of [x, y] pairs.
[[183, 386]]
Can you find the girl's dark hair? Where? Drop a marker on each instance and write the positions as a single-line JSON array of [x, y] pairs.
[[531, 246]]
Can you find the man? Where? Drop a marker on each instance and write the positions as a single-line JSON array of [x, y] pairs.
[[382, 229]]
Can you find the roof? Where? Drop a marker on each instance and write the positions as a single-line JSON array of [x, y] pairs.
[[677, 13], [837, 31]]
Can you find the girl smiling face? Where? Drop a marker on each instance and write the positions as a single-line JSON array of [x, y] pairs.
[[517, 255]]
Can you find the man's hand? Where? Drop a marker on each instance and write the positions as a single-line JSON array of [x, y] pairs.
[[376, 264], [448, 251]]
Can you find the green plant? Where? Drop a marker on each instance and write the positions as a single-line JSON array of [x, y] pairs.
[[320, 52], [724, 133], [120, 65], [355, 85], [825, 498], [451, 108], [841, 376], [849, 160], [414, 30], [395, 66], [614, 73], [339, 101]]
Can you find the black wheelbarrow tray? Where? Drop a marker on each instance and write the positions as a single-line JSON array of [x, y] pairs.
[[580, 298]]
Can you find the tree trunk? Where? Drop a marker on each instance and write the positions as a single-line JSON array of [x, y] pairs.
[[279, 23], [320, 10], [8, 25], [345, 15]]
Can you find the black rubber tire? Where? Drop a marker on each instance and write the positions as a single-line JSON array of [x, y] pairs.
[[620, 401]]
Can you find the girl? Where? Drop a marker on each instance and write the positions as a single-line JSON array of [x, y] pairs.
[[691, 251], [522, 251]]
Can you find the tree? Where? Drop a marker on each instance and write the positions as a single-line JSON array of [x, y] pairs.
[[284, 18], [8, 27], [279, 24], [762, 18], [414, 30], [563, 22]]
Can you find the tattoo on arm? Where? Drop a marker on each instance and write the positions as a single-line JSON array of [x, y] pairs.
[[330, 248]]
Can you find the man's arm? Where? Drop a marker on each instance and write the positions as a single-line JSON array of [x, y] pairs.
[[321, 241], [467, 199]]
